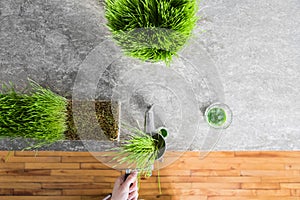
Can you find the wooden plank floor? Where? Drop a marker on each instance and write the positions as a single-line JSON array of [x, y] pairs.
[[220, 176]]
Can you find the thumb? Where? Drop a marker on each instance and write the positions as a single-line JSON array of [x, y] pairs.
[[131, 179], [119, 180]]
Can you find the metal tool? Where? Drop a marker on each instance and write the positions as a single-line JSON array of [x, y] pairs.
[[149, 126]]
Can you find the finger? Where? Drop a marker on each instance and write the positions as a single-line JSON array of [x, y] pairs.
[[133, 187], [122, 178], [134, 184], [131, 179], [133, 195]]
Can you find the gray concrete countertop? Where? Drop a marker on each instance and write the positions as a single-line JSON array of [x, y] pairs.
[[255, 46]]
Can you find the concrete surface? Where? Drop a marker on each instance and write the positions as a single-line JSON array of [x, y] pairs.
[[254, 44]]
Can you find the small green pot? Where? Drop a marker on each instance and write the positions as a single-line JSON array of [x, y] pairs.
[[163, 131]]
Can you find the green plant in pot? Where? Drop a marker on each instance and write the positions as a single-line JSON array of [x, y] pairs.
[[37, 114], [151, 30], [140, 150]]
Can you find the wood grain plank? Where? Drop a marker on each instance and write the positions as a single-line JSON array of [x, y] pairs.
[[20, 159], [251, 160], [252, 198], [287, 173], [260, 186], [104, 179], [198, 197], [202, 172], [171, 192], [37, 172], [262, 166], [166, 185], [5, 153], [52, 165], [20, 185], [95, 197], [233, 179], [81, 159], [229, 192], [295, 192], [280, 179], [40, 198], [292, 166], [166, 172], [231, 198], [270, 192], [220, 175], [50, 153], [196, 163], [217, 185], [168, 192], [272, 197], [272, 154], [212, 154], [25, 172], [37, 192], [158, 197], [226, 192], [290, 185], [177, 179], [93, 166], [43, 179], [6, 191], [86, 172], [11, 171], [12, 165], [60, 153], [72, 192], [103, 185]]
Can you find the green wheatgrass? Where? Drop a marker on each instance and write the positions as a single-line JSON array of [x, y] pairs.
[[39, 114], [139, 151], [216, 116], [151, 30]]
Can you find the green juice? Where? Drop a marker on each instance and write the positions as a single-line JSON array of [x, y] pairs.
[[216, 116]]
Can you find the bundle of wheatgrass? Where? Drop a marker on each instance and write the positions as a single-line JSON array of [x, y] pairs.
[[151, 30], [139, 151], [39, 114]]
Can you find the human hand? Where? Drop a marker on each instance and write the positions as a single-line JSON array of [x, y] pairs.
[[123, 190]]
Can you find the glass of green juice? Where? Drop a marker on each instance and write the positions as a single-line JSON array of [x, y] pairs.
[[218, 115]]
